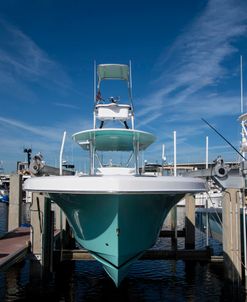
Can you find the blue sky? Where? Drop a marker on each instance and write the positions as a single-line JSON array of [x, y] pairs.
[[185, 65]]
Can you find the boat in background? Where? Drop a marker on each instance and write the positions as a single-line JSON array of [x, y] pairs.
[[4, 188], [116, 212], [4, 194], [211, 215], [4, 185]]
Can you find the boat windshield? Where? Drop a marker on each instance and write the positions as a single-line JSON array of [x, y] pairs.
[[115, 159]]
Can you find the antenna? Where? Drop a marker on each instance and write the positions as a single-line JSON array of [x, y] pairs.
[[206, 152], [130, 85], [175, 153], [61, 155], [94, 93], [94, 81], [163, 153], [243, 132], [241, 85], [243, 119]]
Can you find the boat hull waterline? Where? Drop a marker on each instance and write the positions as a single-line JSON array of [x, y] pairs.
[[116, 218]]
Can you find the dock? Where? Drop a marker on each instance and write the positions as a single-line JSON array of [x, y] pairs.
[[14, 247], [51, 239]]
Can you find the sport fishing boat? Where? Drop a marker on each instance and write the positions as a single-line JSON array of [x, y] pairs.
[[115, 211]]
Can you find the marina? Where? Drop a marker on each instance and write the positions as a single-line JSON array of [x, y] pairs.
[[119, 214], [123, 159], [170, 246], [170, 249], [49, 245]]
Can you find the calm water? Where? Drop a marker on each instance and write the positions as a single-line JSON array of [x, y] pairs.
[[147, 280]]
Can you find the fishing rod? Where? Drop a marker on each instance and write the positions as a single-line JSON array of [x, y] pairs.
[[223, 138]]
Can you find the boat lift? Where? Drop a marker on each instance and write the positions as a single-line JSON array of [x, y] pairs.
[[234, 183]]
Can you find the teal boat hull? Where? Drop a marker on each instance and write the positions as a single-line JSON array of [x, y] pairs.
[[116, 228]]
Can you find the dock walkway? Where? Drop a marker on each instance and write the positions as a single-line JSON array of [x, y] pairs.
[[14, 246]]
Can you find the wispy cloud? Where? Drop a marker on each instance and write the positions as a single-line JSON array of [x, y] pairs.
[[22, 61], [38, 130], [15, 134], [64, 105], [53, 132], [195, 62], [149, 119], [203, 106], [204, 45]]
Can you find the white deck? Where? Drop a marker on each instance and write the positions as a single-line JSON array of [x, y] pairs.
[[110, 184]]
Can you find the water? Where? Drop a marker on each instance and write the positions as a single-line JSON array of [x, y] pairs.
[[159, 280]]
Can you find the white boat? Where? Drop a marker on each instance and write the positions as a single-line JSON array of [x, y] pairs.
[[116, 213]]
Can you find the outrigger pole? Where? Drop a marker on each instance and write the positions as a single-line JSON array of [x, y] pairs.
[[223, 138]]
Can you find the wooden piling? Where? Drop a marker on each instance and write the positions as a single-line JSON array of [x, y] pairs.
[[189, 222], [47, 238], [59, 222], [42, 226], [49, 229], [232, 235], [174, 236], [15, 202], [37, 223]]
